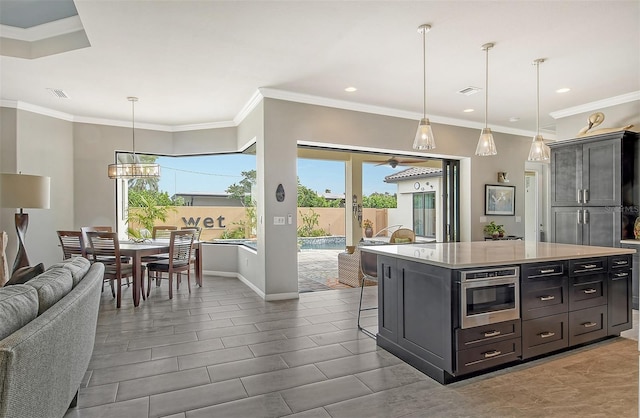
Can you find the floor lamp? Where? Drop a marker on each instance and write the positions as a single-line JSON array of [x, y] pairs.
[[23, 191]]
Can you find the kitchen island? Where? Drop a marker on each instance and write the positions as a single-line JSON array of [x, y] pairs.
[[453, 310]]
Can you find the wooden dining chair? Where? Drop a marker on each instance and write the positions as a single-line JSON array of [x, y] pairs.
[[162, 231], [179, 261], [105, 248], [85, 238], [72, 244]]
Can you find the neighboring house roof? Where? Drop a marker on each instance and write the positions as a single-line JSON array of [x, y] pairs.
[[332, 196], [413, 173]]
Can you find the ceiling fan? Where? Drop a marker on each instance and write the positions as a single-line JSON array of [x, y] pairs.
[[394, 162]]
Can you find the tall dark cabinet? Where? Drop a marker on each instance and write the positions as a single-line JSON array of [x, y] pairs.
[[595, 189]]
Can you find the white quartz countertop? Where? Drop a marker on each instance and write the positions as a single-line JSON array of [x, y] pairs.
[[630, 241], [490, 253]]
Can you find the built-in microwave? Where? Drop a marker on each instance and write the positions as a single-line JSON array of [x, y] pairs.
[[488, 296]]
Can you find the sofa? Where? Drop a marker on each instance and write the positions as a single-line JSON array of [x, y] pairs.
[[47, 333]]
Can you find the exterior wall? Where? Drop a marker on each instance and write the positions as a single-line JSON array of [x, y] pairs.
[[403, 215]]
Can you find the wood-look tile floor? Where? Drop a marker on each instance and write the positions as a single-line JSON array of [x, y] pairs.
[[222, 351]]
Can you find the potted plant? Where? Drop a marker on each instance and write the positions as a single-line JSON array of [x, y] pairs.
[[368, 228], [493, 230]]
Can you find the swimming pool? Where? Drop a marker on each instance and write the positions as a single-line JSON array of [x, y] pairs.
[[337, 242]]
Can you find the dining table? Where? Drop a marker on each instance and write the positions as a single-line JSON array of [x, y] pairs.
[[137, 250]]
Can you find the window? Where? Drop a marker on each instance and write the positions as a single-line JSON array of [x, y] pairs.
[[424, 214]]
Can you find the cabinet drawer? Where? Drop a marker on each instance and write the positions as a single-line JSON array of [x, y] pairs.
[[587, 266], [544, 297], [620, 261], [587, 325], [588, 291], [488, 355], [543, 270], [543, 335], [472, 337]]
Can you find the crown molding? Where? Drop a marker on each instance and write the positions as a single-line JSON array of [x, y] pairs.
[[251, 104], [44, 31], [597, 105], [16, 104], [384, 111]]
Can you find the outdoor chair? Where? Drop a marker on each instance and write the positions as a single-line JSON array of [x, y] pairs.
[[402, 236]]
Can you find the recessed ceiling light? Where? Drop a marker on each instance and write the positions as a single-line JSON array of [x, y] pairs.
[[350, 89], [563, 90], [514, 119], [468, 110]]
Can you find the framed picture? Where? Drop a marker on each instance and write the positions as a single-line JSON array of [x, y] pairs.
[[499, 200]]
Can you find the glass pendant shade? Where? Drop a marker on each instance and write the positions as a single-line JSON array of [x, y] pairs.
[[424, 139], [486, 145], [134, 169], [539, 150], [424, 136]]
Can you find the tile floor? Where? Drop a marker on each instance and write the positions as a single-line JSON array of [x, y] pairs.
[[222, 351]]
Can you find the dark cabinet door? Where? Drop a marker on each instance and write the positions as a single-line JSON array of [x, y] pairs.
[[619, 303], [601, 226], [601, 173], [388, 298], [566, 225], [566, 176]]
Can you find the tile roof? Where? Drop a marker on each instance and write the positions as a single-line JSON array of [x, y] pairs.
[[413, 172]]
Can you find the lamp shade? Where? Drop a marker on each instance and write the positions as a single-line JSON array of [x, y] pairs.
[[24, 191]]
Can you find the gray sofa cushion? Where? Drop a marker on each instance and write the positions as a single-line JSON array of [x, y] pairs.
[[18, 307], [78, 266], [52, 285], [24, 274]]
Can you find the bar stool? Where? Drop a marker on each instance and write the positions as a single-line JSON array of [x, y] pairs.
[[369, 267]]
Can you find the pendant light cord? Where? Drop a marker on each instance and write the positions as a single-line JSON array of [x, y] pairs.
[[424, 73], [538, 97], [486, 87]]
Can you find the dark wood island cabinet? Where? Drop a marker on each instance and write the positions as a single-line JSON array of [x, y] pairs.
[[455, 309]]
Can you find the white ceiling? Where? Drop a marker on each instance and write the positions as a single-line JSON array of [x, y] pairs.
[[201, 62]]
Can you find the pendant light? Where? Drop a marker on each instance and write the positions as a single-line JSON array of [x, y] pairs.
[[134, 169], [539, 150], [424, 137], [486, 145]]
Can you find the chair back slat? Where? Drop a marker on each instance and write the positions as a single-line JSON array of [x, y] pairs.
[[162, 231], [196, 229], [181, 245], [86, 229], [72, 244], [105, 247]]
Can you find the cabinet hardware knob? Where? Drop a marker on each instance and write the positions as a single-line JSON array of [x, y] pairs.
[[493, 353], [492, 333], [544, 298], [589, 291], [547, 271], [589, 324], [547, 334]]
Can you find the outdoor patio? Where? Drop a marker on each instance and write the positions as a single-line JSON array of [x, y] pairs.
[[318, 270]]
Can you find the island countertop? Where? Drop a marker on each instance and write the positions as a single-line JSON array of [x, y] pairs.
[[490, 253]]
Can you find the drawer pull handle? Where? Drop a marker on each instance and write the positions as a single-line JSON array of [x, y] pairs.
[[589, 291], [547, 334], [493, 353], [620, 263], [622, 274], [547, 271], [492, 333], [544, 298], [590, 266], [589, 324]]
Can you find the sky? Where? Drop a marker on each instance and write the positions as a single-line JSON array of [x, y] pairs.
[[215, 173]]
